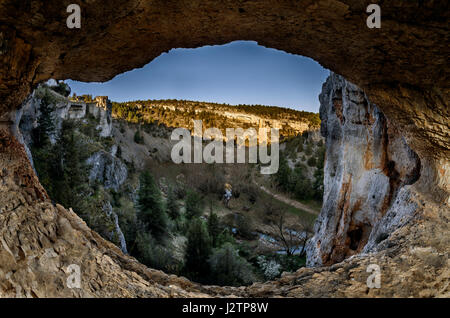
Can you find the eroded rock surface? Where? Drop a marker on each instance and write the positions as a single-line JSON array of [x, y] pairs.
[[107, 169], [368, 163]]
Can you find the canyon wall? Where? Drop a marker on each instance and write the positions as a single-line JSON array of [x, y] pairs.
[[368, 164]]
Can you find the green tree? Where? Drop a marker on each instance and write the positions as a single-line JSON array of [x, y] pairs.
[[46, 121], [214, 228], [198, 251], [150, 206], [69, 171], [62, 88], [303, 189], [193, 205], [172, 206], [283, 173], [318, 184]]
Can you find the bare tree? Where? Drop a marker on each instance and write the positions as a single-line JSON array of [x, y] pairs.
[[290, 240]]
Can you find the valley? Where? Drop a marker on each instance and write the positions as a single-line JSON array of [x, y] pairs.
[[116, 173]]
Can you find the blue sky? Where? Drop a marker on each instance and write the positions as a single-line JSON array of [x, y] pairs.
[[240, 72]]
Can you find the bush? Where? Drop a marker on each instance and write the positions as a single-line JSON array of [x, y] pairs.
[[225, 237], [309, 150], [138, 138], [303, 189], [244, 226], [62, 88], [155, 255], [251, 191], [208, 180], [270, 268], [283, 174]]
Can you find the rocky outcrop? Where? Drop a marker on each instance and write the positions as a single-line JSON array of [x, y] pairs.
[[107, 169], [102, 111], [27, 117], [368, 164]]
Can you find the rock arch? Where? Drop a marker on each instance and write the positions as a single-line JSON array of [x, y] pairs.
[[402, 67]]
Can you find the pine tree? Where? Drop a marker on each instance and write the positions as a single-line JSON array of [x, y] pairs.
[[151, 210], [46, 122], [198, 250], [69, 171], [193, 207], [283, 173], [213, 228], [172, 206]]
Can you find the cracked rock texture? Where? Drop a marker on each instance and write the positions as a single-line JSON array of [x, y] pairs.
[[107, 169], [367, 163], [402, 67]]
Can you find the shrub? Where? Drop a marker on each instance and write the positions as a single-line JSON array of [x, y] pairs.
[[283, 174], [251, 191], [225, 237], [312, 162], [244, 226], [155, 255], [228, 268], [62, 88], [270, 268], [303, 189], [138, 138]]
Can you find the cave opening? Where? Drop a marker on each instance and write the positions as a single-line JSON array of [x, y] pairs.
[[131, 122], [125, 133]]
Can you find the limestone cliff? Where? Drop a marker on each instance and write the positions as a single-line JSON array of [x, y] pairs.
[[367, 165], [107, 169]]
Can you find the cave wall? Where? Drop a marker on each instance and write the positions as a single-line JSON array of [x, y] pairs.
[[402, 68]]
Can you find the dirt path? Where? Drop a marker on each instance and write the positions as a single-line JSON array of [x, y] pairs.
[[291, 202]]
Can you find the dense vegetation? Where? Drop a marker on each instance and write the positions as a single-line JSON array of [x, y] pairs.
[[294, 180], [178, 113]]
